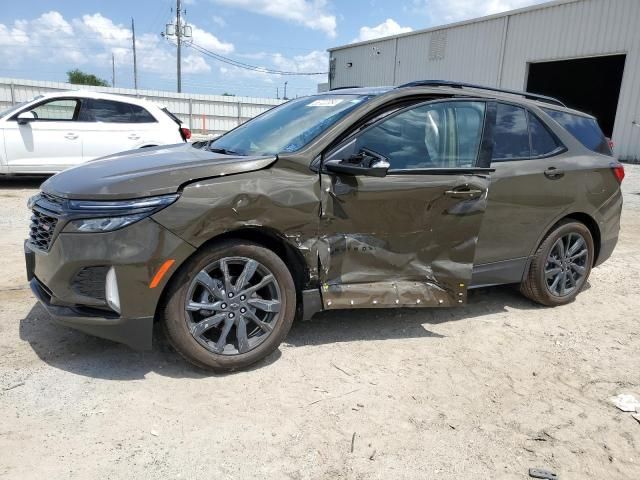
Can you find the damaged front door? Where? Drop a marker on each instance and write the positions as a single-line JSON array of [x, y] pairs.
[[406, 238]]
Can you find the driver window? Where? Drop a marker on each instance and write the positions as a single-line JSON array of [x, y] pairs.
[[437, 135], [63, 109]]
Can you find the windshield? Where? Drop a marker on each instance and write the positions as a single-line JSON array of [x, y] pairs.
[[288, 127]]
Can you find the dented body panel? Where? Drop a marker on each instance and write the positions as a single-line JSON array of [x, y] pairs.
[[282, 200], [402, 240], [420, 255]]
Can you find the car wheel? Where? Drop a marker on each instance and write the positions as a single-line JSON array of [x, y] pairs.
[[230, 306], [561, 265]]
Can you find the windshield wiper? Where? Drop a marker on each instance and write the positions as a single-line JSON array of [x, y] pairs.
[[224, 151]]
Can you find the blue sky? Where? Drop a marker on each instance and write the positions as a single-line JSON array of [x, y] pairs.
[[43, 39]]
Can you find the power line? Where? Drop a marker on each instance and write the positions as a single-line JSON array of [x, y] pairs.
[[246, 66]]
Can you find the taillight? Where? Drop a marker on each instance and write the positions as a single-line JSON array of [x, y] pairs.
[[185, 133], [618, 171]]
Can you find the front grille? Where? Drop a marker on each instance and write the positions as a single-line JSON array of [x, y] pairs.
[[55, 202], [41, 230], [90, 282]]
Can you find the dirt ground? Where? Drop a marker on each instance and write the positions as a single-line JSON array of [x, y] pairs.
[[485, 391]]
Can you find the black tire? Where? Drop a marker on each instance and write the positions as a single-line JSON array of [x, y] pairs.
[[535, 286], [176, 319]]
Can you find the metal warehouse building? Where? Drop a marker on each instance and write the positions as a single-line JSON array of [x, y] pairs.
[[584, 52]]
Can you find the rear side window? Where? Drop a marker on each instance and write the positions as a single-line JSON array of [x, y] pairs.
[[511, 134], [585, 129], [107, 111], [543, 142]]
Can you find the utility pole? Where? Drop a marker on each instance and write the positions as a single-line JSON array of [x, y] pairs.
[[135, 63], [179, 31], [113, 70], [179, 43]]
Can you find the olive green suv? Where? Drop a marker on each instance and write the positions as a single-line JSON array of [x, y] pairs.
[[356, 198]]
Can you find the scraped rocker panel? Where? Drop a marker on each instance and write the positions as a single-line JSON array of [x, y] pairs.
[[390, 294], [362, 271]]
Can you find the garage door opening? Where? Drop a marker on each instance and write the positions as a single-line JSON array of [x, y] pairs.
[[591, 85]]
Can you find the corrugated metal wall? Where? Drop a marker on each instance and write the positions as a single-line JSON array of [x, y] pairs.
[[372, 64], [497, 50], [203, 113], [582, 29], [478, 44]]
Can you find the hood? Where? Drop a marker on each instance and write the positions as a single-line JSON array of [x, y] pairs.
[[147, 172]]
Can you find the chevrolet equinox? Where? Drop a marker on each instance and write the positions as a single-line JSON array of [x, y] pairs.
[[356, 198]]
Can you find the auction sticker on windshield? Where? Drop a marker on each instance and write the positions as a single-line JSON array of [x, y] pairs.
[[326, 102]]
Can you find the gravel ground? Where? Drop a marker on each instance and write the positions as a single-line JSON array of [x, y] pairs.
[[485, 391]]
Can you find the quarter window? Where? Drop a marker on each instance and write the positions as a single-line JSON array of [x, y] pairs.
[[436, 135], [511, 134], [140, 115], [543, 142], [585, 129], [62, 109]]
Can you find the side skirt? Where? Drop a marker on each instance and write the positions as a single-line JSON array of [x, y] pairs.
[[499, 273]]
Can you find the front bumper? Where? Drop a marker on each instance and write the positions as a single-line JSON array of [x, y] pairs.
[[134, 332], [135, 253]]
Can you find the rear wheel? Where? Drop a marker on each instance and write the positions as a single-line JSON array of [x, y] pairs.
[[561, 265], [230, 306]]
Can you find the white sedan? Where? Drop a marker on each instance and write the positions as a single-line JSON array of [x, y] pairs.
[[59, 130]]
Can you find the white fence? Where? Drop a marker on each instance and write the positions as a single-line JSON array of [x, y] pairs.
[[206, 114]]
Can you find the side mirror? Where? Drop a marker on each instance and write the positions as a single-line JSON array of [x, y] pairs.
[[365, 163], [26, 117]]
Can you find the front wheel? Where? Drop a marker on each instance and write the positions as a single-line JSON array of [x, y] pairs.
[[230, 306], [561, 266]]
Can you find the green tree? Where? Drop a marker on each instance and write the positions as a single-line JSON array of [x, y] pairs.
[[78, 77], [225, 94]]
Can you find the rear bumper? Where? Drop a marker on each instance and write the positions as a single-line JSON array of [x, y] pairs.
[[606, 249], [609, 223], [135, 253]]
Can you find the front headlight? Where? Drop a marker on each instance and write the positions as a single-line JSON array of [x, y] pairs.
[[99, 216], [107, 224]]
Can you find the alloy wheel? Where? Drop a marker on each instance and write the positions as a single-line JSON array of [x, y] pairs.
[[566, 264], [233, 305]]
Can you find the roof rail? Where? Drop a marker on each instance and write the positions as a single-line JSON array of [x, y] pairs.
[[345, 88], [452, 84]]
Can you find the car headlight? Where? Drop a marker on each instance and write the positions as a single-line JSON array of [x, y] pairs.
[[100, 216]]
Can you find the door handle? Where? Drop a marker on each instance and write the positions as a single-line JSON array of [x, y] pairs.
[[553, 173], [464, 192], [71, 136], [133, 136]]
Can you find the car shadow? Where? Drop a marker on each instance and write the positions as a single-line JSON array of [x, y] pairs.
[[85, 355], [20, 182], [380, 324]]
